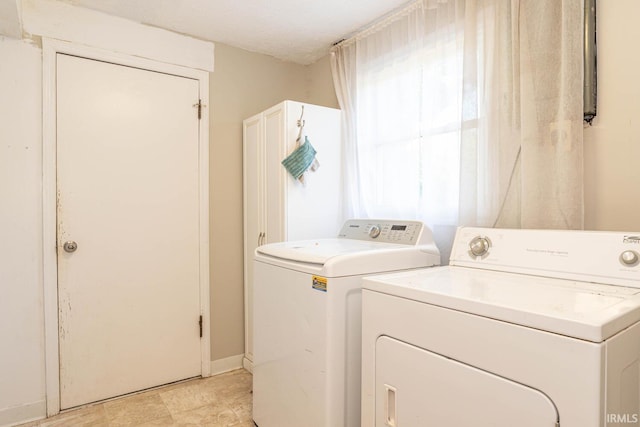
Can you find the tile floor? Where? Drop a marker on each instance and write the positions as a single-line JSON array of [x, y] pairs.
[[219, 401]]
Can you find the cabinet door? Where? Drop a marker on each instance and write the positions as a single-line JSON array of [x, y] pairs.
[[253, 146], [274, 174], [314, 209]]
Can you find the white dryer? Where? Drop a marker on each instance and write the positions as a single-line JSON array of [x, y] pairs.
[[523, 328], [307, 319]]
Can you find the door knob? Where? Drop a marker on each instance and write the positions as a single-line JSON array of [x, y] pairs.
[[70, 246]]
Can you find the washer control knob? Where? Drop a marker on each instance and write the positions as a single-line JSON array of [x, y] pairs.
[[629, 258], [479, 246], [374, 231]]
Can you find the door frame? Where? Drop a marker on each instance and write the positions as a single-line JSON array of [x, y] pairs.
[[50, 48]]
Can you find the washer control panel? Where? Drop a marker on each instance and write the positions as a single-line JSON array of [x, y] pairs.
[[387, 231], [374, 231]]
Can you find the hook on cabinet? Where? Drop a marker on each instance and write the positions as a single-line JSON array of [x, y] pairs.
[[300, 121]]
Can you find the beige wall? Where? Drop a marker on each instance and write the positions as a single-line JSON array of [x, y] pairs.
[[319, 82], [612, 144], [243, 84]]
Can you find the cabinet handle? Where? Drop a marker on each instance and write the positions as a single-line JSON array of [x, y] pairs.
[[261, 238]]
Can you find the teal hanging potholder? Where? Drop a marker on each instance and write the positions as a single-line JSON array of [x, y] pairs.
[[300, 159]]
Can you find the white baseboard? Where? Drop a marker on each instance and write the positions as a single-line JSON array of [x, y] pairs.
[[247, 364], [227, 364], [23, 413]]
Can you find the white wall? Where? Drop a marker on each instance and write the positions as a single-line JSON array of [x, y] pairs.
[[66, 22], [22, 387], [612, 144], [10, 19], [22, 351]]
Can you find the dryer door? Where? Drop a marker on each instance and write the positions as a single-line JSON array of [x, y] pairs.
[[418, 388]]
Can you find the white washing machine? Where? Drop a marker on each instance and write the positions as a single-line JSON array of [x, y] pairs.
[[523, 328], [307, 319]]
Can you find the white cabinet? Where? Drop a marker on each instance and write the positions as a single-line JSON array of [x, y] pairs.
[[278, 207]]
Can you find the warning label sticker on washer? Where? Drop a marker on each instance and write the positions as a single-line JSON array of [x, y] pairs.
[[319, 283]]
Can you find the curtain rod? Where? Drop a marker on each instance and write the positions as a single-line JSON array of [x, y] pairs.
[[379, 23]]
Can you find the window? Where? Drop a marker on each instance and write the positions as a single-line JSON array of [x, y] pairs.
[[409, 131]]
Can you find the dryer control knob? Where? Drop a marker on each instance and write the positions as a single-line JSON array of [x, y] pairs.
[[629, 258], [479, 246], [374, 231]]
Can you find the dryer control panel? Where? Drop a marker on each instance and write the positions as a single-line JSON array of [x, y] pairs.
[[387, 231], [591, 256]]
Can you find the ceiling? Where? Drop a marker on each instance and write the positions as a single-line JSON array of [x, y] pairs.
[[300, 31]]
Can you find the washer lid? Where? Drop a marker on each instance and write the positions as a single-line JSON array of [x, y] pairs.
[[321, 250], [583, 310], [342, 257]]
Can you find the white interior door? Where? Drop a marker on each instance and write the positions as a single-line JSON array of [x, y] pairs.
[[127, 177]]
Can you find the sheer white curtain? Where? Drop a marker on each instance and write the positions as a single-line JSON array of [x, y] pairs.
[[465, 112]]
